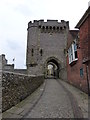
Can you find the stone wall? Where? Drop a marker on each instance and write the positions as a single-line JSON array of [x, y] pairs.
[[49, 37], [4, 64], [8, 67], [22, 71], [16, 87], [0, 87], [0, 93]]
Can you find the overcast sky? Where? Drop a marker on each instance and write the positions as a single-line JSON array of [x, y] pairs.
[[15, 15]]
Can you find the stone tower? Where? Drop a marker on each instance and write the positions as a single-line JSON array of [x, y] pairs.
[[46, 44]]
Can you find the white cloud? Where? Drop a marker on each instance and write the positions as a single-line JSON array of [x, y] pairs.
[[15, 15]]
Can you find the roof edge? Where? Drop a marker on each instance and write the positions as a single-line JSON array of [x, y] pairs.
[[81, 21]]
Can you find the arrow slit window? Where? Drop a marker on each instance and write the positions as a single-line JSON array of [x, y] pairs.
[[32, 51]]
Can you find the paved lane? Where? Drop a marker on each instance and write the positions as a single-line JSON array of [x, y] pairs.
[[57, 100], [54, 103]]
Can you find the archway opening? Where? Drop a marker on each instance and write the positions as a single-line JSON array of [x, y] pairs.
[[52, 69]]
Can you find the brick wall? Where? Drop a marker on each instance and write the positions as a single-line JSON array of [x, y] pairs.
[[73, 74], [16, 87], [89, 37], [89, 70], [83, 51], [84, 39]]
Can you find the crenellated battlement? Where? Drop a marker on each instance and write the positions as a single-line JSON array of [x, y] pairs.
[[49, 24]]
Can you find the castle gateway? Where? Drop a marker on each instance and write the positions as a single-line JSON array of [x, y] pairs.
[[46, 46]]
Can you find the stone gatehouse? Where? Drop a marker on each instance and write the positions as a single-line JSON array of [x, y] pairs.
[[46, 45]]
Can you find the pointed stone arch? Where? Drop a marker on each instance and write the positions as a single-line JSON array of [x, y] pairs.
[[52, 60]]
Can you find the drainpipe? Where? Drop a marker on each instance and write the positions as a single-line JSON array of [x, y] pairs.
[[88, 82]]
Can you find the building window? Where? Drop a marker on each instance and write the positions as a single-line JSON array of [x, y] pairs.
[[61, 28], [46, 27], [39, 26], [50, 27], [81, 72], [57, 28], [72, 53], [41, 52], [43, 28], [32, 51], [75, 50], [64, 27], [54, 28]]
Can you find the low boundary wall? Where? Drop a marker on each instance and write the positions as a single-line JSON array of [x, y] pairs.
[[16, 87]]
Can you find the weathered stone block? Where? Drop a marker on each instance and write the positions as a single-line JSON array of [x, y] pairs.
[[17, 87]]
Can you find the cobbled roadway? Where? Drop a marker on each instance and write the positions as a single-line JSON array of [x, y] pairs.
[[54, 103]]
